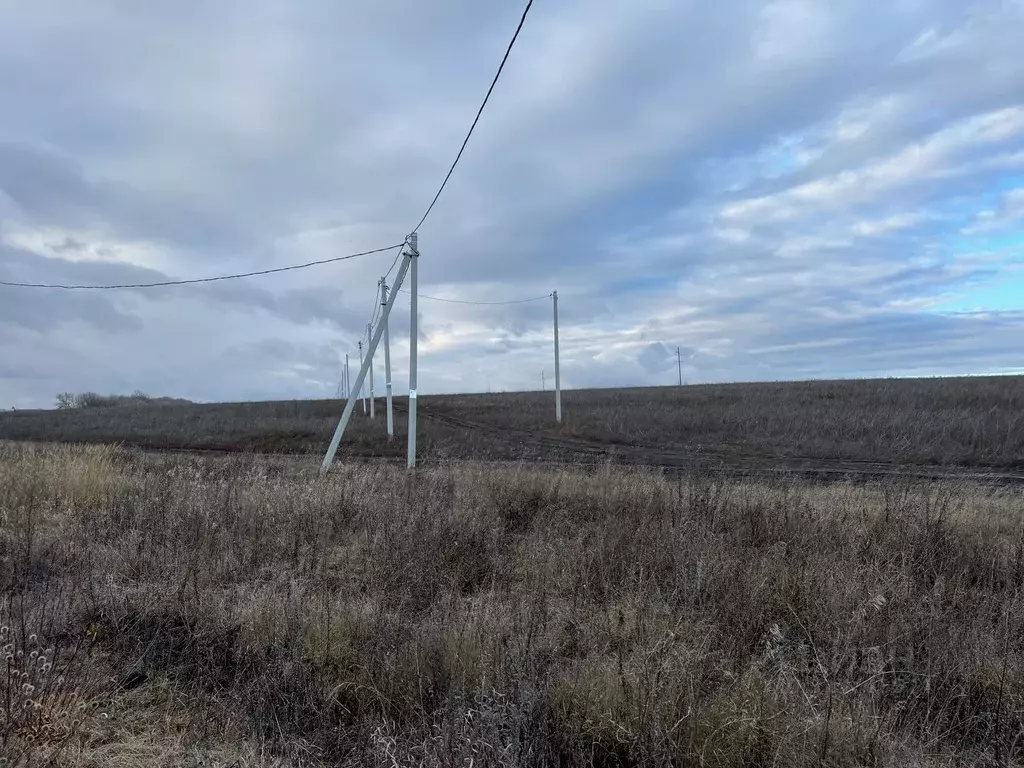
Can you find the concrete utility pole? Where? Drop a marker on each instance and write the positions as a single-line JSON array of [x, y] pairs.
[[679, 365], [543, 381], [369, 335], [414, 258], [558, 375], [332, 449], [348, 378], [387, 356], [360, 395]]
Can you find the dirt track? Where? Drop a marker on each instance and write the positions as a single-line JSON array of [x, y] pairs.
[[545, 449], [549, 448], [572, 449]]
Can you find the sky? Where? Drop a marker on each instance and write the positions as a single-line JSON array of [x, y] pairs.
[[783, 190]]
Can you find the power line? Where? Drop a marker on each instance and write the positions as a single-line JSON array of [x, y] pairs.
[[482, 303], [398, 255], [377, 299], [399, 246], [306, 265], [376, 307], [479, 112], [200, 279]]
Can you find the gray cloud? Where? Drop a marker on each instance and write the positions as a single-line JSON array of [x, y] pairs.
[[786, 188]]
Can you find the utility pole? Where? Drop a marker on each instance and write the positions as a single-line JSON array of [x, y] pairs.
[[360, 394], [348, 379], [369, 335], [558, 374], [414, 258], [543, 381], [387, 356], [339, 431], [679, 365]]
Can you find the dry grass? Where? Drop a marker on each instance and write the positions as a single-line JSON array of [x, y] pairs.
[[241, 612]]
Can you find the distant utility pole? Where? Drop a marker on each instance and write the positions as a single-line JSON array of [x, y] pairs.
[[558, 374], [679, 365], [360, 393], [348, 379], [543, 381]]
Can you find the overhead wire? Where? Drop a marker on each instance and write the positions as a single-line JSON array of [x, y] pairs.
[[378, 300], [376, 306], [193, 281], [398, 255], [482, 303], [479, 112], [399, 247]]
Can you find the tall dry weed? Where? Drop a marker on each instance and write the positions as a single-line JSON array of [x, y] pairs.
[[517, 617]]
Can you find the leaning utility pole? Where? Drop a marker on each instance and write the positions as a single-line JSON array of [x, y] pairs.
[[369, 335], [360, 388], [558, 375], [387, 356], [411, 255], [679, 365]]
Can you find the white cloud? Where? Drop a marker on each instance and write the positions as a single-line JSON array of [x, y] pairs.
[[887, 224], [76, 245], [793, 178], [931, 158], [1010, 212], [791, 30]]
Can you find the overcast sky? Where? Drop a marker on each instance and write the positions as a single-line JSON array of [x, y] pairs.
[[787, 189]]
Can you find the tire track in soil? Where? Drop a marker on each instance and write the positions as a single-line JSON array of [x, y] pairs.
[[579, 452], [719, 460]]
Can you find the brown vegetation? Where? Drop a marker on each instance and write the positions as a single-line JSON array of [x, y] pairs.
[[68, 400], [975, 422], [243, 611]]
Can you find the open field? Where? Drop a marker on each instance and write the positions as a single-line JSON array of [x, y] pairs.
[[167, 610], [969, 422], [165, 607]]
